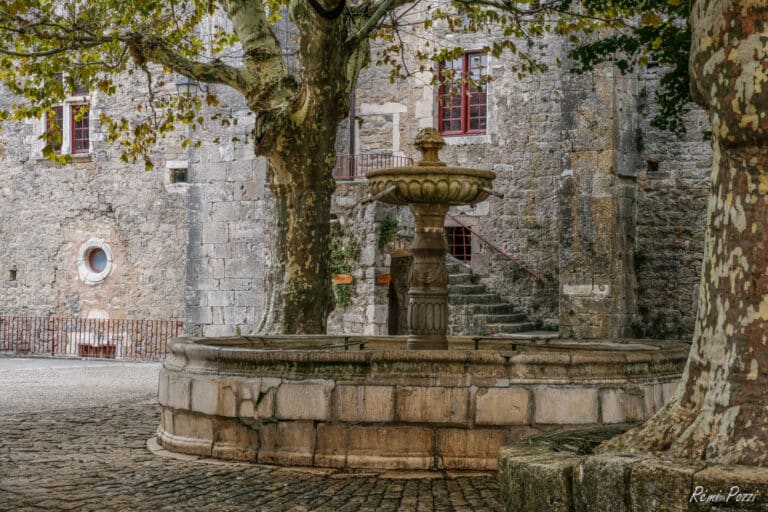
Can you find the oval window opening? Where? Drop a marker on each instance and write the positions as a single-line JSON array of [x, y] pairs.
[[97, 260]]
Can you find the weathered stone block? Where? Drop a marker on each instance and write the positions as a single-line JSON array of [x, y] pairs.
[[162, 388], [618, 406], [205, 395], [332, 443], [744, 487], [601, 483], [437, 405], [654, 399], [502, 406], [178, 392], [234, 440], [396, 447], [475, 448], [534, 479], [287, 443], [364, 403], [304, 401], [657, 484], [563, 406], [192, 433]]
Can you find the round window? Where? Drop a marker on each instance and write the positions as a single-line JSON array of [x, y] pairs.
[[94, 261], [97, 260]]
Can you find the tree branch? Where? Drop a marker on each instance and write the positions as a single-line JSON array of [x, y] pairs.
[[144, 49]]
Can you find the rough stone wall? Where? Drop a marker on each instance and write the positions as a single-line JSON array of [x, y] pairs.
[[47, 212], [673, 182], [228, 214], [194, 251], [596, 206]]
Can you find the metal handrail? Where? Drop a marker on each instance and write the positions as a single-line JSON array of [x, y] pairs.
[[499, 250], [352, 167]]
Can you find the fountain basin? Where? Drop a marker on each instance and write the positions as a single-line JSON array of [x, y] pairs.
[[431, 185], [365, 402]]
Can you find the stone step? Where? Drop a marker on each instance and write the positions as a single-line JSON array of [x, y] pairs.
[[510, 318], [509, 328], [463, 278], [474, 298], [493, 309], [465, 289], [456, 267]]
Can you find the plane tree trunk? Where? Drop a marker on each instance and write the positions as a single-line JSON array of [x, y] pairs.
[[719, 410], [299, 145]]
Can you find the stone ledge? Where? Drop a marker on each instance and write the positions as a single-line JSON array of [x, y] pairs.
[[553, 474]]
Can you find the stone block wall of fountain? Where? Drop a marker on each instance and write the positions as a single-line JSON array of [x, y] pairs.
[[368, 403]]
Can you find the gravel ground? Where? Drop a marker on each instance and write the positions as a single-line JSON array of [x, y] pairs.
[[40, 384]]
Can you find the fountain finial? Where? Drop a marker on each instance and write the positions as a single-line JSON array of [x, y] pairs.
[[429, 142]]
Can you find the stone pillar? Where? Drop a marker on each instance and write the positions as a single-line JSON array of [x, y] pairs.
[[596, 207], [428, 280]]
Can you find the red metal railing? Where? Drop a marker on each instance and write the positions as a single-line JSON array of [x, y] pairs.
[[499, 250], [144, 340], [351, 167]]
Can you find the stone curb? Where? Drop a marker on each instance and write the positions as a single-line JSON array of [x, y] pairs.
[[534, 477]]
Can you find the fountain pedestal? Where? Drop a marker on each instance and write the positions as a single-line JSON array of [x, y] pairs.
[[428, 280]]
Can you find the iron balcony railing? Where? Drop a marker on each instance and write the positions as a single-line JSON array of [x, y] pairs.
[[143, 340], [353, 167]]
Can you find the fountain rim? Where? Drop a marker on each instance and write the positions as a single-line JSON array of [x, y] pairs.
[[416, 170], [357, 348]]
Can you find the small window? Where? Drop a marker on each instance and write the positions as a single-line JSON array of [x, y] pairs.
[[178, 176], [94, 262], [462, 97], [459, 242], [80, 129], [12, 274], [68, 124], [97, 260]]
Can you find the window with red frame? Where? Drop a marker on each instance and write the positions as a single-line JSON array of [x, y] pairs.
[[69, 124], [462, 97], [80, 129]]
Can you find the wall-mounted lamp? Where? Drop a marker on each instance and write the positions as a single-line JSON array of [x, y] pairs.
[[185, 86]]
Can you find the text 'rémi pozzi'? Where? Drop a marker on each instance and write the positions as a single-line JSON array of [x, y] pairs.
[[702, 495]]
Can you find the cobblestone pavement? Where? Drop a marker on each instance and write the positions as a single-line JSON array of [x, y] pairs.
[[95, 458]]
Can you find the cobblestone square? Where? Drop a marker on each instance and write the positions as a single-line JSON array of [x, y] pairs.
[[73, 436]]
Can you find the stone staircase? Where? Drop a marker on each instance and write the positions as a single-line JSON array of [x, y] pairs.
[[475, 310]]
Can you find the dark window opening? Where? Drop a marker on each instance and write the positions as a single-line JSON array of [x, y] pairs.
[[653, 166], [459, 242], [12, 274], [178, 176]]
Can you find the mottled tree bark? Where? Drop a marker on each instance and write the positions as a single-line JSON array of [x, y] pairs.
[[299, 144], [720, 409]]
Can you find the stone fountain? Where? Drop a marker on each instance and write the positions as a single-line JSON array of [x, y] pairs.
[[368, 402], [429, 189]]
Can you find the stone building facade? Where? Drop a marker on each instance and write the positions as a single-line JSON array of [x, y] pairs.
[[599, 232]]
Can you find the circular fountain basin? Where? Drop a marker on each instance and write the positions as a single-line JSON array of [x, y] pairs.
[[365, 402], [431, 185]]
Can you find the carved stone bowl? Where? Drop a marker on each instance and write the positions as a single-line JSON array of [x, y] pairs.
[[431, 185]]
